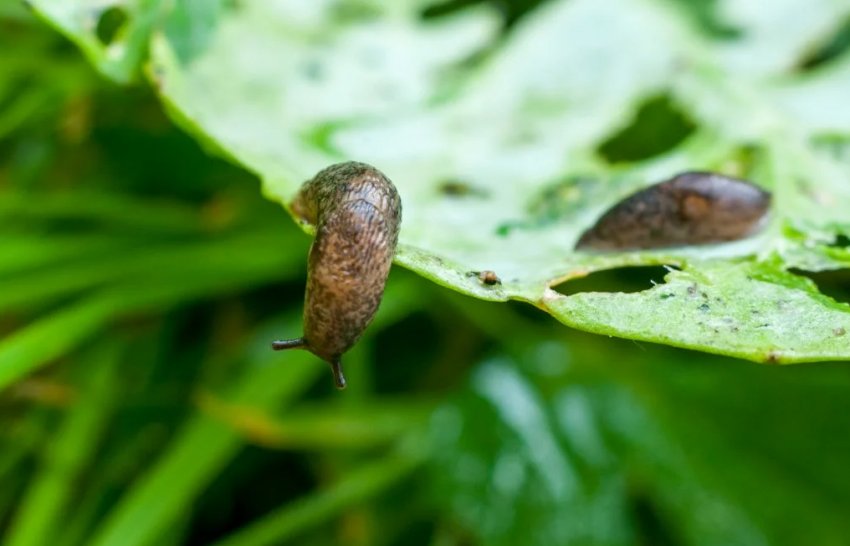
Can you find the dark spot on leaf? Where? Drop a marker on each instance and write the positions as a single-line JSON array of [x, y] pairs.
[[838, 332], [692, 289], [313, 70], [704, 308], [459, 188], [110, 23], [354, 11], [658, 126], [504, 229], [667, 295], [827, 50], [622, 279], [692, 208], [834, 145], [558, 201], [835, 284]]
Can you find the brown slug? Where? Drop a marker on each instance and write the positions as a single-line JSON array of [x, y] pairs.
[[357, 214], [691, 208]]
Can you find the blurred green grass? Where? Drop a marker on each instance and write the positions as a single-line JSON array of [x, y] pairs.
[[140, 284]]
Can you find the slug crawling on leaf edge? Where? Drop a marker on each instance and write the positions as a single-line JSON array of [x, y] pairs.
[[357, 213]]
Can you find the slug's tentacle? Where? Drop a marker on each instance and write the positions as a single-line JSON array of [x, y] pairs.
[[339, 377], [357, 213], [283, 344]]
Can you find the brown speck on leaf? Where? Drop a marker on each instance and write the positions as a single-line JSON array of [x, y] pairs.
[[838, 332], [458, 188], [692, 208], [772, 357], [486, 277]]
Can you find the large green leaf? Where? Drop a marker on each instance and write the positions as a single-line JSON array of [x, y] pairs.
[[506, 146]]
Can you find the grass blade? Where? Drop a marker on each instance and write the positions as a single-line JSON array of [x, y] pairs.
[[284, 524], [39, 516]]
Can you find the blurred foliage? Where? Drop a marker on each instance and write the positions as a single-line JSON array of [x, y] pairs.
[[140, 284]]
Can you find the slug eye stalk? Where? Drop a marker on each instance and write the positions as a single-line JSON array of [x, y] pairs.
[[300, 343]]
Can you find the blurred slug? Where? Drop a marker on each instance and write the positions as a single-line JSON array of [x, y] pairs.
[[692, 208], [357, 214]]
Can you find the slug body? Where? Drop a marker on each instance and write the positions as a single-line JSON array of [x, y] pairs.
[[691, 208], [357, 214]]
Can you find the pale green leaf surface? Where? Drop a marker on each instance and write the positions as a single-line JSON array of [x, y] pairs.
[[518, 118], [725, 308]]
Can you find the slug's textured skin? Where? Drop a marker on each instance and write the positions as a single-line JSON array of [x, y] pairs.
[[692, 208], [357, 214]]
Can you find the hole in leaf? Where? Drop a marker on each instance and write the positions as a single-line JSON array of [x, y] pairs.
[[441, 9], [841, 241], [831, 48], [556, 202], [835, 284], [658, 126], [625, 280], [704, 14], [512, 10], [110, 23]]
